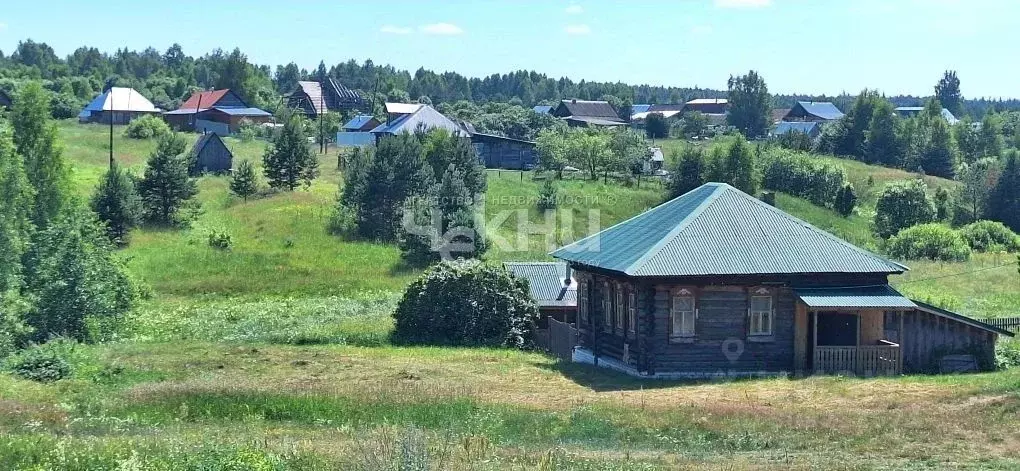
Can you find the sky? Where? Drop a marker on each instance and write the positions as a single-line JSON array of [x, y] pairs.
[[799, 46]]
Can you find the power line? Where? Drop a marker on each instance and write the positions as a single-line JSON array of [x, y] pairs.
[[956, 274]]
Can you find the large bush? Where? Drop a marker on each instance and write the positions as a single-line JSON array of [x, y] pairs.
[[800, 175], [990, 236], [902, 205], [147, 127], [43, 363], [466, 303], [929, 241]]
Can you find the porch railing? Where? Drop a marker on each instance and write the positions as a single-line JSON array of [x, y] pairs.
[[867, 360]]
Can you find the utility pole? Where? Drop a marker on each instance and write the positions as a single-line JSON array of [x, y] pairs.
[[322, 109], [110, 91]]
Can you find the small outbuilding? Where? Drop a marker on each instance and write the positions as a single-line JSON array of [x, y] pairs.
[[708, 105], [211, 155], [813, 129], [584, 113], [551, 286], [361, 123], [503, 152], [122, 105]]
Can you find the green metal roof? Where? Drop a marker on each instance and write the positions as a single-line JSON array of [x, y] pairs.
[[862, 297], [716, 229]]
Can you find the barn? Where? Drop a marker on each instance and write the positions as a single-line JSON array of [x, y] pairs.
[[315, 98], [716, 283], [122, 105], [218, 111], [503, 152], [211, 155]]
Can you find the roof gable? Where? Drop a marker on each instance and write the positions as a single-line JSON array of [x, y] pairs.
[[716, 229], [121, 99], [213, 98], [208, 139], [819, 109], [426, 117], [586, 109]]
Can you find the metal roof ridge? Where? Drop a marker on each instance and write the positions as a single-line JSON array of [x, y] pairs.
[[720, 189], [819, 231]]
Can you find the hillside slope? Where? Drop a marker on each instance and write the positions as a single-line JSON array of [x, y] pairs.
[[281, 247]]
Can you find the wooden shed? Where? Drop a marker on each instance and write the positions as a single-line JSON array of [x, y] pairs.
[[716, 283], [504, 152], [210, 154]]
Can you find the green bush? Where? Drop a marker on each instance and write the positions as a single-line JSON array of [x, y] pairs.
[[929, 241], [799, 175], [147, 127], [990, 236], [466, 303], [219, 239], [43, 363], [1007, 354], [902, 205]]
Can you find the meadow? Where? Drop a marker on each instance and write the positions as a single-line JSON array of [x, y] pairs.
[[275, 355]]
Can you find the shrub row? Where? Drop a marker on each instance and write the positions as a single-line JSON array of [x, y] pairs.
[[800, 175], [940, 242]]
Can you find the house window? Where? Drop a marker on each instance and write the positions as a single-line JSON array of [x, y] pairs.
[[618, 309], [607, 308], [761, 315], [631, 311], [582, 302], [683, 315]]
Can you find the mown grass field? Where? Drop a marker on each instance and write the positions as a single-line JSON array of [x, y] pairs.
[[275, 355]]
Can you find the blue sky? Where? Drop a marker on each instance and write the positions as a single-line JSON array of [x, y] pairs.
[[804, 46]]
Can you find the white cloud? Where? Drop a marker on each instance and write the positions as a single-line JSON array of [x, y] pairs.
[[574, 9], [577, 29], [742, 3], [390, 29], [3, 26], [442, 28]]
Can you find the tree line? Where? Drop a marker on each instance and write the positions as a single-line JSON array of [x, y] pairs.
[[169, 77]]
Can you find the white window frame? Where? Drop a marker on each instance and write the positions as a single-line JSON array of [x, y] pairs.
[[618, 309], [582, 302], [761, 322], [683, 324], [631, 311], [607, 308]]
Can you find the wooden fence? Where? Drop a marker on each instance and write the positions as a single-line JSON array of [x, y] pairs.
[[871, 360], [1008, 323], [562, 339]]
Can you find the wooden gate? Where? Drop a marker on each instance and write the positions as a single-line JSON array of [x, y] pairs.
[[562, 339]]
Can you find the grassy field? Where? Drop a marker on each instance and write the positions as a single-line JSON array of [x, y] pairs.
[[275, 355], [187, 403]]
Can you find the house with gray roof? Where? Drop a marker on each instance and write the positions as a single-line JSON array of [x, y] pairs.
[[584, 113], [716, 283], [813, 129], [418, 118], [813, 111]]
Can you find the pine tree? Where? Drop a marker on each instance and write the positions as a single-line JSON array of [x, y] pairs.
[[398, 171], [939, 155], [990, 138], [288, 161], [35, 138], [244, 182], [167, 188], [117, 204], [1004, 202], [947, 92]]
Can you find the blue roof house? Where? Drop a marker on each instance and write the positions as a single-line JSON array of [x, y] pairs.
[[812, 128], [813, 111], [716, 283]]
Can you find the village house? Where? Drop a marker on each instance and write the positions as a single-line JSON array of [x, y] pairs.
[[819, 111], [712, 106], [584, 113], [315, 98], [216, 111], [358, 131], [496, 151], [122, 105], [910, 111], [716, 283], [414, 118]]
